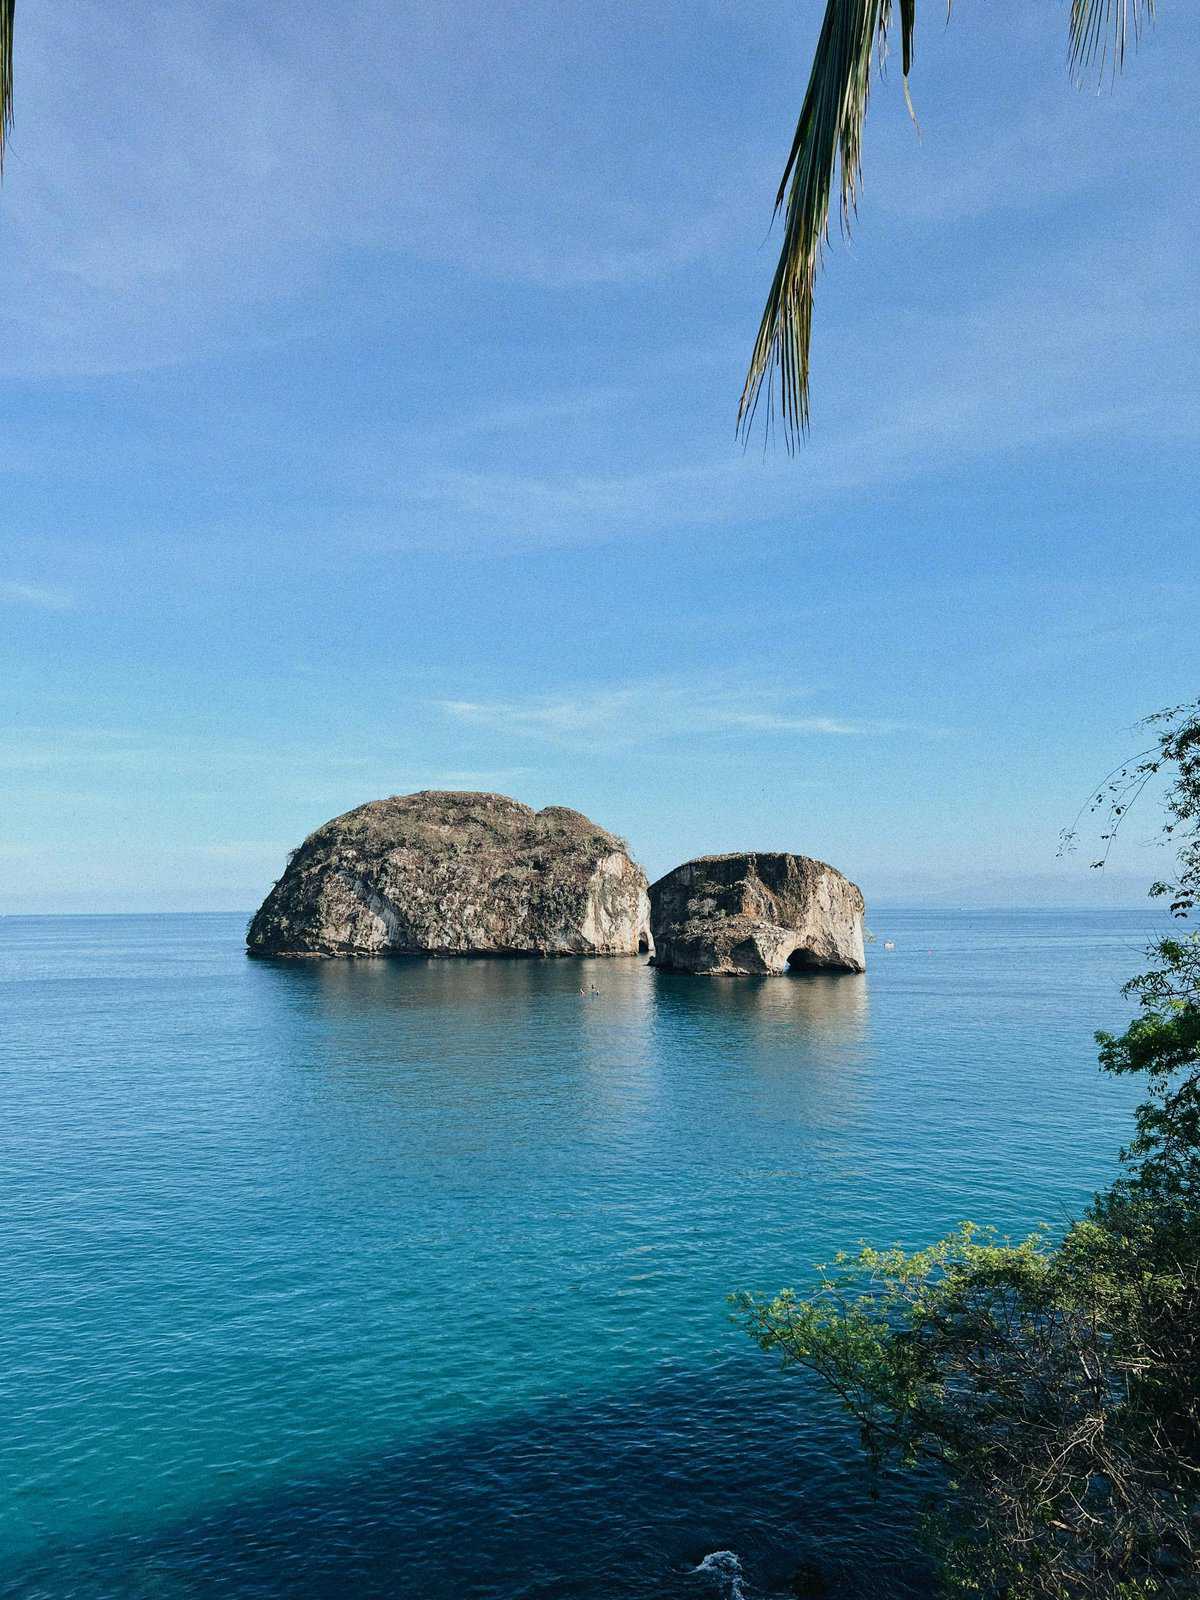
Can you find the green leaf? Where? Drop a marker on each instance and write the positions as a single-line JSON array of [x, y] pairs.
[[7, 12], [828, 135]]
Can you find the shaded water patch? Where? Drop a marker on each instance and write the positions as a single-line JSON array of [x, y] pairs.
[[694, 1485]]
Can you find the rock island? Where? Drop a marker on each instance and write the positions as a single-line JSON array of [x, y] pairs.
[[447, 873], [757, 912]]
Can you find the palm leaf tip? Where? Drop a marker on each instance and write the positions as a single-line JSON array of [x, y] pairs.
[[828, 137], [908, 23], [1101, 30], [7, 12]]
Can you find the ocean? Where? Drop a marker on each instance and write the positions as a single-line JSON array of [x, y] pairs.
[[408, 1278]]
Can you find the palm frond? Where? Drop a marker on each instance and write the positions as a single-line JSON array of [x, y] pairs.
[[908, 23], [1101, 28], [7, 12], [828, 134]]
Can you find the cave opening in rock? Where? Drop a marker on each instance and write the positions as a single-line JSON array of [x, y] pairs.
[[643, 944], [801, 960]]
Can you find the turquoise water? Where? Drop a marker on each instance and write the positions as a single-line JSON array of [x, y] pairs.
[[407, 1279]]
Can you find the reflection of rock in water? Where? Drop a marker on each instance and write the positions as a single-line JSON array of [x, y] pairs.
[[471, 983], [403, 985], [481, 1023], [800, 1046], [631, 1052], [832, 1006]]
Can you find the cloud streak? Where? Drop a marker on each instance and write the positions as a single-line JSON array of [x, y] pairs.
[[41, 597], [645, 712]]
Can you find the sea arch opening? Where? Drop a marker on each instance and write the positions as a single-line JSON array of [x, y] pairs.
[[802, 959]]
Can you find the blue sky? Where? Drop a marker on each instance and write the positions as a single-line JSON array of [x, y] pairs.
[[367, 424]]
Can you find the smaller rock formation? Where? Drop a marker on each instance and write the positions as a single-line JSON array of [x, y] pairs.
[[446, 873], [756, 913]]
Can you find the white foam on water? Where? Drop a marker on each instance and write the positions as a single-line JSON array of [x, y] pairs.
[[727, 1568]]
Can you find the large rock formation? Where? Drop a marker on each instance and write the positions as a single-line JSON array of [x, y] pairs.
[[446, 874], [756, 913]]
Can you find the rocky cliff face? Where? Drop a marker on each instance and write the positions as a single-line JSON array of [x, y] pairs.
[[756, 913], [443, 873]]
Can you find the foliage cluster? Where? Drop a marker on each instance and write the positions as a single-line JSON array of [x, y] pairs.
[[1054, 1387]]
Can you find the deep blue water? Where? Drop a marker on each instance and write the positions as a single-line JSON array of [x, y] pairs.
[[408, 1279]]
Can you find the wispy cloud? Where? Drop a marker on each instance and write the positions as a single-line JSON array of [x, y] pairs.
[[234, 852], [250, 158], [119, 755], [41, 596], [994, 373], [625, 714], [33, 748]]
